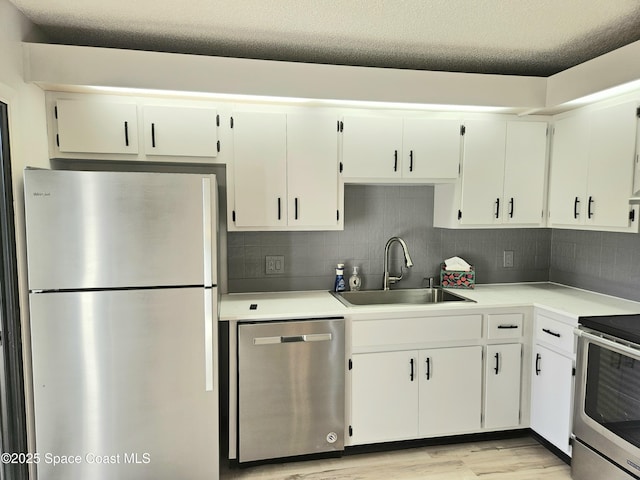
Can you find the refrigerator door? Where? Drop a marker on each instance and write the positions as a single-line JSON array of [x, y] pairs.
[[89, 230], [125, 383]]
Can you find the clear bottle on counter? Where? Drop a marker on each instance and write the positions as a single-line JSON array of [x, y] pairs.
[[354, 281], [340, 285]]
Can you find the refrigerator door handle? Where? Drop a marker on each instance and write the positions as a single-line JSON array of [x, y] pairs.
[[207, 232], [208, 339]]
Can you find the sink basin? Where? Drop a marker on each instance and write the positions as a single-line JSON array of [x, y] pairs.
[[411, 296]]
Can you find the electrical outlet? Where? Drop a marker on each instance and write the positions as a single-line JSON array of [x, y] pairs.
[[274, 264], [508, 259]]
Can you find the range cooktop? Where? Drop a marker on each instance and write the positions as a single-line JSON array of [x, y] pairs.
[[626, 327]]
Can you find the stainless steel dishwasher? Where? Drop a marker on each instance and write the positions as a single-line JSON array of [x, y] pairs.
[[290, 388]]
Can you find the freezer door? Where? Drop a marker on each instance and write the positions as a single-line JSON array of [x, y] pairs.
[[291, 378], [115, 229], [125, 382]]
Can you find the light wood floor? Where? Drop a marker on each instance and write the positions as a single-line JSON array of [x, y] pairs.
[[511, 459]]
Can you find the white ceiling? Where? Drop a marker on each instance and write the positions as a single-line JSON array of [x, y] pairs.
[[519, 37]]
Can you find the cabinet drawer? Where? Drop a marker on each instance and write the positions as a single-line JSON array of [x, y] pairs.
[[416, 330], [505, 325], [554, 333]]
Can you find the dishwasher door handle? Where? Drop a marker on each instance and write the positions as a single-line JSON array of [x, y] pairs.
[[314, 337]]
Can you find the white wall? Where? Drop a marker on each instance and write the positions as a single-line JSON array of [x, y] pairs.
[[28, 144]]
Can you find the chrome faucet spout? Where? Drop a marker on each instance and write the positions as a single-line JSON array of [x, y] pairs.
[[388, 279]]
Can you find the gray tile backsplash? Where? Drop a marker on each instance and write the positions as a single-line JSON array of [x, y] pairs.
[[373, 214], [600, 261]]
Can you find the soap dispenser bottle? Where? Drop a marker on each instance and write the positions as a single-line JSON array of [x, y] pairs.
[[354, 281], [340, 285]]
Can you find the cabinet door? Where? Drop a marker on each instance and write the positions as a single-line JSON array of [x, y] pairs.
[[312, 170], [450, 390], [97, 127], [431, 148], [372, 147], [483, 172], [524, 172], [384, 397], [611, 163], [260, 169], [568, 178], [551, 396], [183, 131], [502, 386]]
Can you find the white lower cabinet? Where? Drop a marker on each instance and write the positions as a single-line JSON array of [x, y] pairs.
[[503, 368], [552, 396], [411, 394], [450, 391], [434, 376], [384, 397]]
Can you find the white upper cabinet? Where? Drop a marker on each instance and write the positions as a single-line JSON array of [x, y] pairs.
[[260, 169], [312, 170], [483, 172], [372, 147], [503, 177], [96, 127], [285, 172], [181, 131], [395, 149], [431, 148], [525, 173], [592, 166]]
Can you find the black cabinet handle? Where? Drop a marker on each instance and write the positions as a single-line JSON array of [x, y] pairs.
[[296, 208], [411, 374], [575, 207], [511, 208], [153, 135], [411, 160], [126, 133], [507, 326], [538, 357], [589, 212], [546, 330], [497, 208], [279, 208], [428, 361], [497, 367], [395, 160]]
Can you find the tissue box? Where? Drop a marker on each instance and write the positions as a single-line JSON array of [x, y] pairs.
[[457, 279]]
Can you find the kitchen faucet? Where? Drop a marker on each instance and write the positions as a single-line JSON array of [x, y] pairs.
[[388, 280]]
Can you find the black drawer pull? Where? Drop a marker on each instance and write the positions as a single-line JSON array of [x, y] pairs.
[[589, 212], [497, 367], [555, 334], [511, 208], [508, 326], [126, 133], [575, 207], [279, 208], [538, 357], [428, 361], [153, 135], [411, 160], [395, 160], [497, 208]]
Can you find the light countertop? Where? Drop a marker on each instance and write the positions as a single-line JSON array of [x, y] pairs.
[[564, 300]]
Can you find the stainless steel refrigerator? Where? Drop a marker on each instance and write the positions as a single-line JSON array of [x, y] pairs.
[[123, 303]]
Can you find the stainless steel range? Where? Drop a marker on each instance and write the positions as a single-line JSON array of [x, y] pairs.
[[607, 403]]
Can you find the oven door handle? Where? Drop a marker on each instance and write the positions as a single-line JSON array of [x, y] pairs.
[[609, 344]]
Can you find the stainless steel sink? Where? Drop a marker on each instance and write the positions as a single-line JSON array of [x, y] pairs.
[[411, 296]]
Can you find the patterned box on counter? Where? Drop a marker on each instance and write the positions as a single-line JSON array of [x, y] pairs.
[[457, 279]]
